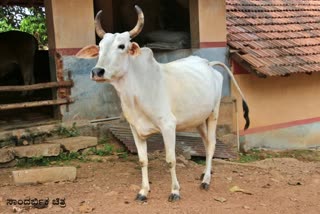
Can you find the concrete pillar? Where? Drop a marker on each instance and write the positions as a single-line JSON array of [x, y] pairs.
[[208, 23], [70, 25]]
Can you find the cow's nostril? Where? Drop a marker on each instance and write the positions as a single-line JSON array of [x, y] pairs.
[[100, 73], [97, 72]]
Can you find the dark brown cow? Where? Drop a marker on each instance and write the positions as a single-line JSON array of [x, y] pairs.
[[18, 49]]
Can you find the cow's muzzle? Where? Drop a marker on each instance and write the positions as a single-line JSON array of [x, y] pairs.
[[97, 73]]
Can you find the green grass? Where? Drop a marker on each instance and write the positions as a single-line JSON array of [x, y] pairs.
[[247, 158], [199, 160], [304, 155], [39, 161], [108, 149], [103, 140], [68, 132], [61, 159], [255, 155], [65, 157], [123, 155]]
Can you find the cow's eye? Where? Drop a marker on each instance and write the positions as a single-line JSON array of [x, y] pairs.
[[121, 47]]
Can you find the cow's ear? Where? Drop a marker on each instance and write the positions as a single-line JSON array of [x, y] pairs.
[[90, 51], [134, 49]]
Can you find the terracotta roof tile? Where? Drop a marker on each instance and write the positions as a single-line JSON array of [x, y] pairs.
[[276, 37]]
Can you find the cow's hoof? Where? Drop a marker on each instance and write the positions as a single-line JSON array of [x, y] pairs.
[[173, 197], [204, 186], [141, 198]]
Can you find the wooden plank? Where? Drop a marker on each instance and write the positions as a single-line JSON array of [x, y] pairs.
[[35, 104], [62, 84]]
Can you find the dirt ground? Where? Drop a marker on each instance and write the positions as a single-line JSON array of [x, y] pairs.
[[277, 185]]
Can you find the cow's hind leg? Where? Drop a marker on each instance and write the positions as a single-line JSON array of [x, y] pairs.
[[168, 130], [207, 131], [141, 145], [203, 131]]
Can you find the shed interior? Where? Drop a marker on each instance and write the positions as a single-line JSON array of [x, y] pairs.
[[24, 117], [166, 27]]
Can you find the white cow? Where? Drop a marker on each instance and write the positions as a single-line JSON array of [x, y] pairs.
[[159, 97]]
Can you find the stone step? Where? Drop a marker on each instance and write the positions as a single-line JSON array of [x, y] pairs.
[[44, 175], [37, 150], [74, 144], [6, 155], [46, 149]]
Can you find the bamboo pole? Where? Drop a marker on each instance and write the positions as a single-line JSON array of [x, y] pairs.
[[104, 119], [35, 104], [37, 86]]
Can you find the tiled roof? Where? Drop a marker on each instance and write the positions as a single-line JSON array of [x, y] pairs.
[[275, 37]]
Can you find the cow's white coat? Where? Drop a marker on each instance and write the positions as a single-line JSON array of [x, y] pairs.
[[162, 98]]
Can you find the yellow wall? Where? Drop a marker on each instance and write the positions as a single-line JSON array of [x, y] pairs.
[[275, 100], [212, 20], [207, 22], [71, 23]]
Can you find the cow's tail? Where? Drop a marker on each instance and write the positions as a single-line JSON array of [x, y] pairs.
[[244, 103]]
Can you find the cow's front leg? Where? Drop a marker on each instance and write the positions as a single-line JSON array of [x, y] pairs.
[[168, 130], [141, 145]]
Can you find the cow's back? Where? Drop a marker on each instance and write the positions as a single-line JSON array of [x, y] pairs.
[[16, 44]]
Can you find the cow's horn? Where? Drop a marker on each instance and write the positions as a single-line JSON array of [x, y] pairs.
[[97, 22], [138, 28]]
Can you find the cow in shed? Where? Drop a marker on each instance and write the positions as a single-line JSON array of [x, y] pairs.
[[18, 49], [159, 97]]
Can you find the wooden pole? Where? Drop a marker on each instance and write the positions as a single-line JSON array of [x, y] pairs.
[[37, 86], [104, 119], [35, 104]]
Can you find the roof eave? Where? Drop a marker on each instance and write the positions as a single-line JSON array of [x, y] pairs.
[[236, 56]]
